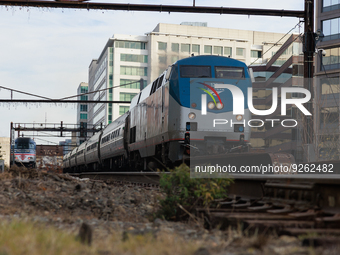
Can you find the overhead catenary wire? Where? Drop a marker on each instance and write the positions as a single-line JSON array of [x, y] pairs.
[[64, 100], [275, 44], [99, 90], [26, 93]]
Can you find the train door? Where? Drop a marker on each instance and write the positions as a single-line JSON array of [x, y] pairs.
[[163, 101], [127, 134], [165, 107]]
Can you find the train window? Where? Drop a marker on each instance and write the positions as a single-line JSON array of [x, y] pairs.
[[229, 72], [139, 98], [154, 86], [160, 81], [195, 71], [133, 135], [21, 145]]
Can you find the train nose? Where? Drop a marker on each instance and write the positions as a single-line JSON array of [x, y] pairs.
[[215, 145]]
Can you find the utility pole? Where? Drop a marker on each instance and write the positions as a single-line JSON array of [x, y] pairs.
[[309, 50]]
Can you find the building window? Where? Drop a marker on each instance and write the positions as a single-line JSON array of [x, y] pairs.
[[331, 29], [256, 54], [240, 52], [126, 96], [83, 89], [227, 51], [218, 50], [134, 58], [130, 45], [330, 85], [83, 98], [207, 49], [162, 59], [175, 47], [329, 115], [134, 70], [331, 60], [83, 108], [185, 47], [196, 48], [131, 84], [174, 59], [330, 5], [123, 109], [162, 46], [297, 70], [83, 116]]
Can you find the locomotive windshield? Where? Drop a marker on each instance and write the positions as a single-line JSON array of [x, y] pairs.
[[195, 71], [24, 144], [21, 145], [228, 72]]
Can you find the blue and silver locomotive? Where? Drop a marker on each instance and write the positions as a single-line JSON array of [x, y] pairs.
[[187, 109]]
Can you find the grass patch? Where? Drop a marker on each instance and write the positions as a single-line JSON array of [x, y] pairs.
[[24, 237], [181, 190], [19, 237]]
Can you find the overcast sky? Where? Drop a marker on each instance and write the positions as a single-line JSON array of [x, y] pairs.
[[48, 51]]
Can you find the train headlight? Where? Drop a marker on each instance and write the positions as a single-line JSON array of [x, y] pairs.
[[219, 105], [192, 116], [193, 105], [239, 117], [211, 105]]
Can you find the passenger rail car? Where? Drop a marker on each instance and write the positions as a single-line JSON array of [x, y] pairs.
[[173, 117], [25, 152]]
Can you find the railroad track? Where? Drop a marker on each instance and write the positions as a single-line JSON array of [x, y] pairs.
[[290, 204], [142, 179]]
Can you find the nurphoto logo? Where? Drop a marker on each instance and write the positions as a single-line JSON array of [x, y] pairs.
[[238, 100], [238, 104]]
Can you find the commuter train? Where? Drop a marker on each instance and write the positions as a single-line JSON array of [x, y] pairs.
[[186, 111], [24, 152]]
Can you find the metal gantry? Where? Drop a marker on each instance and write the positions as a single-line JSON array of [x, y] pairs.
[[152, 8]]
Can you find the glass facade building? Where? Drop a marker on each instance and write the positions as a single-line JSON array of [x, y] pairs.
[[117, 75], [327, 80], [284, 69], [82, 111]]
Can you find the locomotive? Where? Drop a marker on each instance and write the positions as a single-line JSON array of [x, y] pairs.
[[24, 152], [172, 119]]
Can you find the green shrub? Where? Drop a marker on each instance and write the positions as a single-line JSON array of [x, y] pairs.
[[188, 192]]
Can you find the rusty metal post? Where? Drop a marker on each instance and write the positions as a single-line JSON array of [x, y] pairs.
[[61, 128], [12, 135]]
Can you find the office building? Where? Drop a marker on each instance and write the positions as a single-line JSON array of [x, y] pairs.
[[129, 62], [284, 69], [5, 149], [327, 73], [82, 112]]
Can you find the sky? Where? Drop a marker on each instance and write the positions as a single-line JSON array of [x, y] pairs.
[[47, 52]]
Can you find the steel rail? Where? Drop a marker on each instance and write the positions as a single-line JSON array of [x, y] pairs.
[[154, 8], [150, 178]]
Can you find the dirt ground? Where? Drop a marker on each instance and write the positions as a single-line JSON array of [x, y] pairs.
[[65, 203]]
